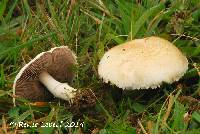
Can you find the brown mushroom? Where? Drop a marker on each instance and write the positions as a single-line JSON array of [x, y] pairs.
[[46, 76]]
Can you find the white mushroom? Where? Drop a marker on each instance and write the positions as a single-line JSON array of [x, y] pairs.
[[47, 74], [143, 63]]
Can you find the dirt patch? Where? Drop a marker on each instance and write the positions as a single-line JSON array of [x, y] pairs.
[[84, 100]]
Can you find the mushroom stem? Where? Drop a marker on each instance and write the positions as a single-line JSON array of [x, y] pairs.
[[59, 90]]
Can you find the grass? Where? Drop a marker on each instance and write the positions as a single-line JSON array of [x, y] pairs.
[[90, 28]]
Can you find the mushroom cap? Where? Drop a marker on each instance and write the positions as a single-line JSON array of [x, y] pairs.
[[56, 62], [142, 64]]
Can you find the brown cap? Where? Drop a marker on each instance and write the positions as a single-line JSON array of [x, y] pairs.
[[56, 62]]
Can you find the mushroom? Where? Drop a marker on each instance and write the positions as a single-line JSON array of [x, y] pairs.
[[46, 75], [142, 64]]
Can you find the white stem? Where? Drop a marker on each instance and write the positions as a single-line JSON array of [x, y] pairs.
[[59, 90]]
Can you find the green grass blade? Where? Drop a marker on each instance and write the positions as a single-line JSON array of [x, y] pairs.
[[18, 47], [46, 128], [196, 116], [3, 4], [141, 21], [23, 116], [10, 12], [26, 8], [2, 77]]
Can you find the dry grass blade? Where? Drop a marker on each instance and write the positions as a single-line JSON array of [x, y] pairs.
[[150, 125], [4, 126], [53, 24], [98, 21], [73, 2], [187, 36], [169, 108], [141, 126]]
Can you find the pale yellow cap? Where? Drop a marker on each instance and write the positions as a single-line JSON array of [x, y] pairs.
[[143, 63]]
